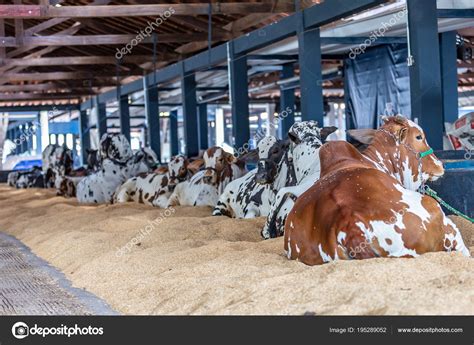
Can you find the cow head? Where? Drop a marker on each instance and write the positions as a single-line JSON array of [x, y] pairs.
[[93, 159], [146, 158], [63, 163], [177, 171], [216, 161], [408, 156], [115, 147], [418, 163], [309, 132], [270, 152]]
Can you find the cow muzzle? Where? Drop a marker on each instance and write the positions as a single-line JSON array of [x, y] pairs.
[[265, 173]]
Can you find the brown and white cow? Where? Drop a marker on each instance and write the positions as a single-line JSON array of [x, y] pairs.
[[367, 205], [154, 189], [204, 188]]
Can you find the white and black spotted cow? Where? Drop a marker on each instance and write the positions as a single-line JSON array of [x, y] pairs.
[[204, 188], [306, 139], [118, 165], [252, 195], [154, 189], [56, 161], [33, 178]]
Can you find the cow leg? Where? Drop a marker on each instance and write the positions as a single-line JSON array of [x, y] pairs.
[[124, 192], [452, 240], [274, 226]]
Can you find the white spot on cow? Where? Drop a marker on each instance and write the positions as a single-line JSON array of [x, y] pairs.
[[324, 256], [413, 201], [383, 231], [341, 236]]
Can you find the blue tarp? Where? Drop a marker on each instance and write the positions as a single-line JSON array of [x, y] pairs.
[[378, 84]]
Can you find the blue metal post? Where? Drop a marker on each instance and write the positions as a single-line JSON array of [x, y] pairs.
[[174, 145], [287, 102], [39, 142], [124, 113], [425, 71], [84, 135], [309, 48], [203, 136], [449, 75], [153, 118], [101, 117], [188, 97], [239, 97]]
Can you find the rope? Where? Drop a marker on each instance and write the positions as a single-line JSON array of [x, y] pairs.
[[428, 191]]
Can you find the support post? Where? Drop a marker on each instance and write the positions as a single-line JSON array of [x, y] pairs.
[[152, 113], [203, 136], [449, 75], [287, 102], [188, 98], [425, 71], [39, 145], [239, 97], [174, 145], [124, 113], [101, 111], [309, 52], [84, 135]]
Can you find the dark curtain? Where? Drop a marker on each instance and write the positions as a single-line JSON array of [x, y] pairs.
[[377, 83]]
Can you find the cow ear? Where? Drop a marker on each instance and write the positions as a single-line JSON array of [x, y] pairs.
[[402, 134], [326, 131], [293, 137], [364, 136], [230, 158]]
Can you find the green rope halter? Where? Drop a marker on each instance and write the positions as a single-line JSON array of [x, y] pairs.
[[428, 191], [426, 153]]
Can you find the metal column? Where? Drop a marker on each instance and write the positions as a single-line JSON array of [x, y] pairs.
[[101, 117], [174, 145], [425, 71], [239, 98], [309, 52], [449, 75], [287, 102], [84, 135], [152, 113], [188, 98], [124, 114], [39, 149], [203, 136]]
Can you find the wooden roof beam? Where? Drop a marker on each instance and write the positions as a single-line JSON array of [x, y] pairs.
[[41, 11]]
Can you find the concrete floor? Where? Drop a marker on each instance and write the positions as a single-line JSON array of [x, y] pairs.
[[29, 286]]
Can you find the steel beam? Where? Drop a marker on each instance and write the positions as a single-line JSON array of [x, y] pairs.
[[203, 136], [239, 97], [190, 121], [84, 135], [287, 102], [174, 144], [101, 118], [425, 72], [124, 113], [309, 47], [449, 75], [152, 118], [314, 17]]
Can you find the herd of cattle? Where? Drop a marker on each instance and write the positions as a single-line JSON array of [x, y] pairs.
[[330, 200]]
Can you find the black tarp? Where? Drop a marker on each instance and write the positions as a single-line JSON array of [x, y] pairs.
[[377, 84]]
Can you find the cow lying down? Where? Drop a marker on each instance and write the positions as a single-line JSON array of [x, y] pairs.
[[33, 178], [204, 188], [154, 189], [252, 195], [118, 165], [367, 205]]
